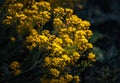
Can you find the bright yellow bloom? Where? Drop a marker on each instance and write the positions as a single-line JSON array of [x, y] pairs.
[[71, 29], [57, 49], [59, 12], [54, 72], [34, 7], [66, 58], [47, 61], [57, 22], [43, 39], [68, 11], [69, 77], [88, 33], [85, 24], [76, 55], [58, 40], [91, 56], [57, 62]]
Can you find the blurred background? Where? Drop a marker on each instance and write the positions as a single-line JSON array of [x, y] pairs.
[[104, 16]]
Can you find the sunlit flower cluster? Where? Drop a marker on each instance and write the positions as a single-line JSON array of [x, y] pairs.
[[70, 44], [25, 18], [62, 48]]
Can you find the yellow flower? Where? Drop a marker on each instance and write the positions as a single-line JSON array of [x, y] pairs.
[[19, 5], [85, 23], [74, 20], [58, 40], [76, 78], [45, 32], [54, 72], [54, 81], [71, 29], [21, 16], [16, 72], [59, 12], [80, 32], [75, 55], [57, 22], [62, 80], [91, 56], [89, 33], [34, 7], [12, 39], [9, 17], [57, 49], [43, 5], [47, 61], [68, 41], [89, 45], [68, 11], [66, 58], [69, 77], [43, 39], [57, 62], [15, 65]]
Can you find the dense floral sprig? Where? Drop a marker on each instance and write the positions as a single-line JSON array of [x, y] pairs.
[[63, 48]]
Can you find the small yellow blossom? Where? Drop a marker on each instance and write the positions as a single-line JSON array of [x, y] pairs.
[[15, 65], [43, 5], [43, 39], [91, 56], [57, 62], [66, 58], [69, 77], [57, 48], [85, 23], [76, 55], [47, 61], [58, 40], [59, 12], [57, 22], [76, 78], [34, 7], [68, 11], [54, 72]]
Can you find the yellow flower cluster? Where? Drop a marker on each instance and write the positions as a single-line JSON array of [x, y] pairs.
[[62, 48], [15, 68], [25, 18], [35, 39], [74, 31], [63, 79], [66, 45]]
